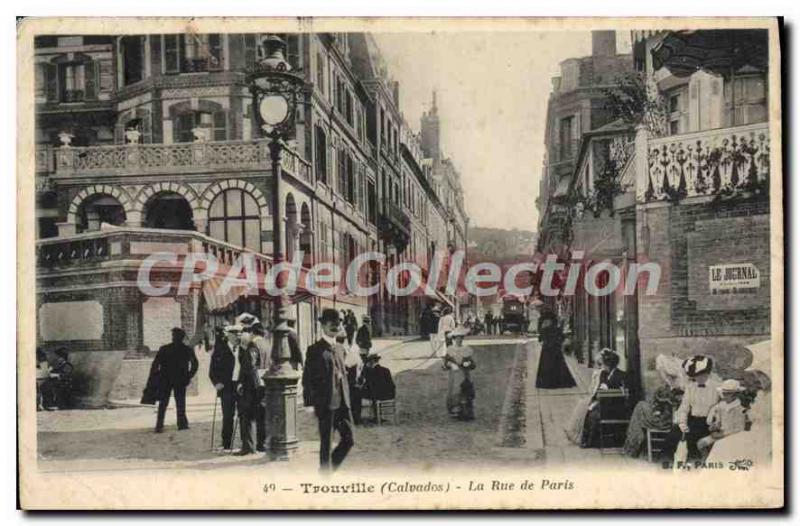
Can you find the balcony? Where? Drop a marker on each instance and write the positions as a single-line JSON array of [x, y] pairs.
[[395, 225], [726, 161], [181, 158], [124, 245]]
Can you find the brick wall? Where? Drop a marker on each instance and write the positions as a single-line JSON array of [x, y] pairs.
[[684, 320]]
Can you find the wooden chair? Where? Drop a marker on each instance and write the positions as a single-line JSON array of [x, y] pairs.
[[614, 418], [386, 410], [656, 440]]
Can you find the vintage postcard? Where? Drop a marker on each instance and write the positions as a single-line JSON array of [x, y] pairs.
[[400, 263]]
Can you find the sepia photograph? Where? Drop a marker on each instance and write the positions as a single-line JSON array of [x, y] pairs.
[[400, 263]]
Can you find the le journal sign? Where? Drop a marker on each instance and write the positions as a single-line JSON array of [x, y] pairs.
[[736, 278]]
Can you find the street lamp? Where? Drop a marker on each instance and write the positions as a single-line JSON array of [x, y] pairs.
[[277, 91]]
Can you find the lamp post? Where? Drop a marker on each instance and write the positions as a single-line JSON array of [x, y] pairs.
[[276, 92]]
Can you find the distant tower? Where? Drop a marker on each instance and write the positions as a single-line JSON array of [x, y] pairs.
[[604, 43], [429, 130]]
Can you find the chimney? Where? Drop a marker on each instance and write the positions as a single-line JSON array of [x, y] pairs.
[[604, 43]]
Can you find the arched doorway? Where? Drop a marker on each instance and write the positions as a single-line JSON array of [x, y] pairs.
[[292, 227], [169, 210], [98, 209]]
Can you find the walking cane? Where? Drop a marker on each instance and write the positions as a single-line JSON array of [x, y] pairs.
[[235, 425], [214, 421]]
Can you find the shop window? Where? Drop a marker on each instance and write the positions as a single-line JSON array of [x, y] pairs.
[[213, 122], [234, 217], [746, 100]]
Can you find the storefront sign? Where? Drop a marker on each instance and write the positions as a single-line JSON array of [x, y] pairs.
[[738, 278]]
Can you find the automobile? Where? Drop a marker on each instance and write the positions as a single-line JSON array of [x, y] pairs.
[[515, 314]]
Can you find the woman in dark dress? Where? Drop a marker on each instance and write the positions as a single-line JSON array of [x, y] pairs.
[[553, 371]]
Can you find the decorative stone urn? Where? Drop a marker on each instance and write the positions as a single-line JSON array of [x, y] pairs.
[[132, 136]]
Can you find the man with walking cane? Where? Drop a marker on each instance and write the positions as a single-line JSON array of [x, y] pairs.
[[224, 373]]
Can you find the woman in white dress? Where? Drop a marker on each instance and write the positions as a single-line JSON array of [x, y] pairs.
[[574, 429]]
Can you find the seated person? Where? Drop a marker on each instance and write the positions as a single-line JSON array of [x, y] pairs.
[[376, 380], [610, 378], [655, 413], [726, 418]]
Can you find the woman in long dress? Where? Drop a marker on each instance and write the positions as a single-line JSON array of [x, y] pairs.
[[553, 371], [574, 429], [456, 355]]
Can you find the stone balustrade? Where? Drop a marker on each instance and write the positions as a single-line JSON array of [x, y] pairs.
[[197, 157], [711, 162]]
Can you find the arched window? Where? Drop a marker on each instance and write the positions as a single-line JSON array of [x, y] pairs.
[[234, 217], [99, 209]]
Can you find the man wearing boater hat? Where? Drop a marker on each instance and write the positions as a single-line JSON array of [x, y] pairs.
[[699, 397], [325, 388]]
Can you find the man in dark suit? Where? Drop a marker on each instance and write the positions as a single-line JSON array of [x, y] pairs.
[[378, 383], [176, 364], [325, 388], [254, 360], [224, 374]]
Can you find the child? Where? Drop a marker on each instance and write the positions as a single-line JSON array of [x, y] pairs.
[[726, 418]]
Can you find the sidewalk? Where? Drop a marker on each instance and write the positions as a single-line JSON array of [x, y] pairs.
[[550, 410]]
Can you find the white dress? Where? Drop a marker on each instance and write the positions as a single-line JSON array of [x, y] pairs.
[[756, 444]]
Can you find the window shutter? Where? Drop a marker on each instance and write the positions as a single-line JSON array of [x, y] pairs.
[[92, 73], [51, 79], [171, 54]]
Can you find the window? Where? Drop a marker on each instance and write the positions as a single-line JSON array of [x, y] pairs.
[[73, 81], [321, 73], [192, 53], [566, 142], [350, 189], [321, 158], [348, 108], [250, 50], [213, 122], [132, 54], [234, 217], [341, 172], [372, 203], [746, 100], [678, 111]]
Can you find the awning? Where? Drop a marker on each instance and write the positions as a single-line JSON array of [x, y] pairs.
[[717, 51], [216, 300]]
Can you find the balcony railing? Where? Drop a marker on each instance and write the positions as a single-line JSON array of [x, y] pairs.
[[127, 244], [712, 162], [197, 157]]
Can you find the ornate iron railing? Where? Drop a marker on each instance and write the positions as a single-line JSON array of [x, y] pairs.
[[138, 159], [711, 162]]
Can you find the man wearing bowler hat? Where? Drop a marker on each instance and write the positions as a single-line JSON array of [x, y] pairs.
[[176, 364], [325, 388]]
